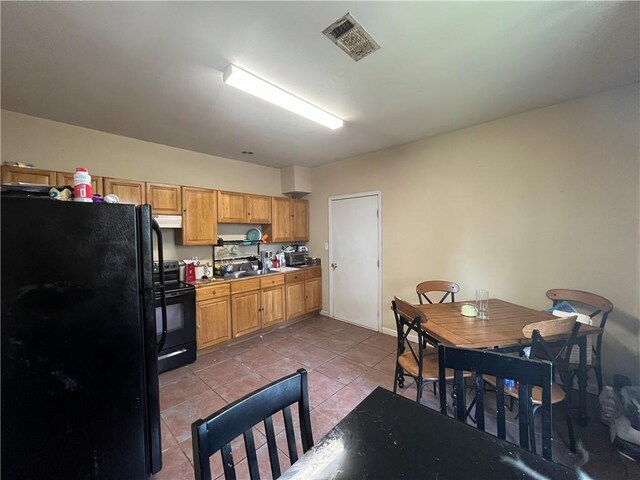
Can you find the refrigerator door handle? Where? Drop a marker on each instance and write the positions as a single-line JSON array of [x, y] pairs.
[[163, 296]]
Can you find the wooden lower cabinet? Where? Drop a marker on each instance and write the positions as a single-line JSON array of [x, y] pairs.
[[245, 313], [272, 306], [295, 300], [313, 295], [213, 321]]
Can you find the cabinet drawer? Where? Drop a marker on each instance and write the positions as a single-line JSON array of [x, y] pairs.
[[313, 273], [294, 276], [245, 285], [213, 291], [271, 281]]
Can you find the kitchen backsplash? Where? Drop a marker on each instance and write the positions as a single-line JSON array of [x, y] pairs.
[[175, 251]]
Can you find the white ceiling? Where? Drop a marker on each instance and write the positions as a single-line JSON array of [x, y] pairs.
[[153, 71]]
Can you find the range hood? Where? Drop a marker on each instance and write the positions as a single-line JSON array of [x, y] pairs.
[[169, 221]]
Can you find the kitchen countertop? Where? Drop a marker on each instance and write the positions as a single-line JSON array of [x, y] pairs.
[[273, 271]]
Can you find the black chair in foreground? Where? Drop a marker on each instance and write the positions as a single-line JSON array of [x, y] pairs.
[[527, 372], [216, 432]]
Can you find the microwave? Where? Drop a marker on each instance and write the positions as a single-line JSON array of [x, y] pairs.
[[295, 258]]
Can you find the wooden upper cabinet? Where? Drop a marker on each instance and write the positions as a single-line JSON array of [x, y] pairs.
[[128, 191], [28, 175], [199, 223], [232, 207], [66, 178], [300, 220], [165, 199], [281, 220], [258, 209]]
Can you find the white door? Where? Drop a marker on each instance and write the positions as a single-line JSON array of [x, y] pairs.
[[354, 258]]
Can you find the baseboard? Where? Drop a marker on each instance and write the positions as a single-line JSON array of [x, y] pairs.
[[391, 331], [325, 313]]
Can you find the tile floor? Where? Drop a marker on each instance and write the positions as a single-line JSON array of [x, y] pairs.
[[345, 363]]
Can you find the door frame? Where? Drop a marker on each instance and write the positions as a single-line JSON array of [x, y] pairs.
[[378, 195]]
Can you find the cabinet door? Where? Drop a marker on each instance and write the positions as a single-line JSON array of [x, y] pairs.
[[300, 220], [281, 220], [199, 225], [232, 207], [313, 295], [28, 175], [245, 313], [295, 300], [65, 178], [213, 319], [272, 306], [258, 209], [128, 191], [164, 199]]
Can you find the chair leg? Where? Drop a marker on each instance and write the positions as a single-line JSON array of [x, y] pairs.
[[395, 379], [419, 388], [532, 428], [435, 390], [598, 370], [399, 377], [572, 438]]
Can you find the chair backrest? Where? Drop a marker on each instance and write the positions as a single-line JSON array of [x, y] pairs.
[[449, 288], [527, 372], [553, 340], [597, 306], [408, 321], [216, 432]]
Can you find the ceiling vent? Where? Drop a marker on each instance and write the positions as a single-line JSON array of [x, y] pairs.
[[351, 37]]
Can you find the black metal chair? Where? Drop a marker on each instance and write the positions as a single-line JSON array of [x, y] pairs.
[[527, 372], [216, 432], [558, 352], [448, 288], [597, 306], [416, 360]]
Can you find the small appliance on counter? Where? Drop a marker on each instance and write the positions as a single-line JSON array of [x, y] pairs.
[[294, 259]]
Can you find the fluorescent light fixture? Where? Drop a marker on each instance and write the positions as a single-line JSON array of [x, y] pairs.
[[236, 77]]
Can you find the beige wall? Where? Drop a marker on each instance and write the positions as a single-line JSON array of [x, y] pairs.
[[58, 146], [540, 200]]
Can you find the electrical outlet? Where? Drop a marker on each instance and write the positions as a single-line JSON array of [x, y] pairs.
[[326, 245]]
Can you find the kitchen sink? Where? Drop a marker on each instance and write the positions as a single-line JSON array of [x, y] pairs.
[[243, 273], [252, 273], [239, 274]]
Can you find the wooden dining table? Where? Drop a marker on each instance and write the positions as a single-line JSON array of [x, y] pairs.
[[388, 436], [501, 331]]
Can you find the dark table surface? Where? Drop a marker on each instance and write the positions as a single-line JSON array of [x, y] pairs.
[[388, 436]]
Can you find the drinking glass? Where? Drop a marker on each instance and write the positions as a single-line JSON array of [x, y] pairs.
[[482, 304]]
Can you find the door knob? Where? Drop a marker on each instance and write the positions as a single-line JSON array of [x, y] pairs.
[[334, 265]]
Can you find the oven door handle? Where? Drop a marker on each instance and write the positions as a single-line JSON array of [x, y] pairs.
[[163, 296]]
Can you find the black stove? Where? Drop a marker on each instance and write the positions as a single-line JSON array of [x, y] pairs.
[[172, 282], [180, 344]]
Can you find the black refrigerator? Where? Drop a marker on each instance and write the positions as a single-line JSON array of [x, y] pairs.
[[79, 356]]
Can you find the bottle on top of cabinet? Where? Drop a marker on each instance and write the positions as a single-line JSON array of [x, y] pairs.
[[82, 185]]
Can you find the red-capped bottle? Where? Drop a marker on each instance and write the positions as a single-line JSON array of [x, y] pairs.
[[82, 185]]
